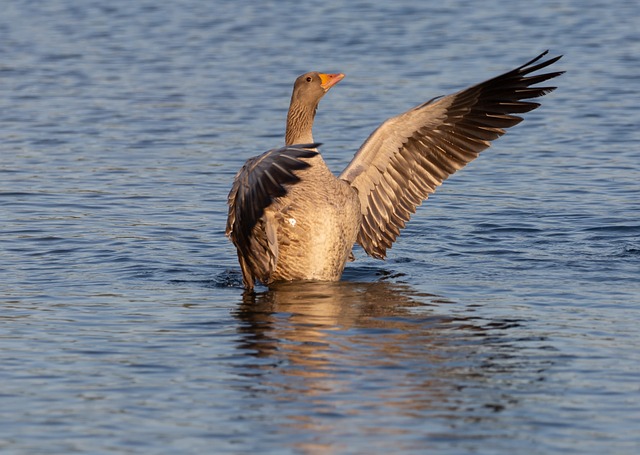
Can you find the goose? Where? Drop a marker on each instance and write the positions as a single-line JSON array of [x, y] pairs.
[[290, 218]]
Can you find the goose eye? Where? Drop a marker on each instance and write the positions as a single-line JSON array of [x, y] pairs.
[[309, 79]]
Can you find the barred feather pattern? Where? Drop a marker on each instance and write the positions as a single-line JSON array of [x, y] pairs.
[[410, 155]]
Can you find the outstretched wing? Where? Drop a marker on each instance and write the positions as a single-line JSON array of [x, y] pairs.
[[260, 180], [410, 155]]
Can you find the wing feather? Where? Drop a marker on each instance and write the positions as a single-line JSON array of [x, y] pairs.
[[410, 155], [259, 181]]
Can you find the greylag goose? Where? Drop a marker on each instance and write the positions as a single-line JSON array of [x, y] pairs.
[[290, 218]]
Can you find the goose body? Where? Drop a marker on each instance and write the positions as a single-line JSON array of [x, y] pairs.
[[291, 218], [317, 225]]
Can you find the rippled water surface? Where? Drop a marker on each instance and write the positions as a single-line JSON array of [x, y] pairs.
[[504, 321]]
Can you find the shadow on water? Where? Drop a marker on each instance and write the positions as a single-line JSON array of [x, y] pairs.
[[346, 358]]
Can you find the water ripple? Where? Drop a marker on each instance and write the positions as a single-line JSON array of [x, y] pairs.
[[503, 321]]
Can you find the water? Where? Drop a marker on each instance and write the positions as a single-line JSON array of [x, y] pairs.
[[505, 320]]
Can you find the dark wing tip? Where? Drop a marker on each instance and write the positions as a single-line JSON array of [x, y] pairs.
[[539, 57], [468, 121], [260, 180], [529, 67]]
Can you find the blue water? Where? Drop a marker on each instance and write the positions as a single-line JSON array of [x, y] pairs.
[[504, 321]]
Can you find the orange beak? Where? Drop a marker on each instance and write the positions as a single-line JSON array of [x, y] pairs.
[[329, 80]]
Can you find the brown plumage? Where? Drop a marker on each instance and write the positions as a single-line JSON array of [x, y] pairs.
[[290, 218]]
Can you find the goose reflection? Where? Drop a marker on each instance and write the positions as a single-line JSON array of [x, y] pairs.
[[317, 325], [374, 357]]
